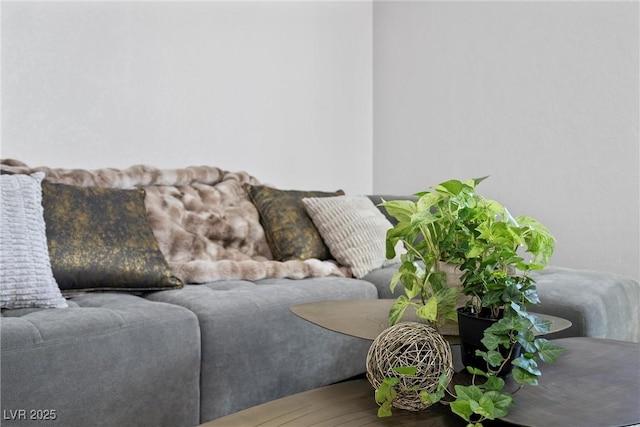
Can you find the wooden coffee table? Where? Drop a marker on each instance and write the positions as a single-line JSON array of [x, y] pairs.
[[596, 383], [349, 403]]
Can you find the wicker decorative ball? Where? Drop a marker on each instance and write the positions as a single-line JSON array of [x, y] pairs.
[[410, 344]]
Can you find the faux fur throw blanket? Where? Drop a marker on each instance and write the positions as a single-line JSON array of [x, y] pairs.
[[205, 224]]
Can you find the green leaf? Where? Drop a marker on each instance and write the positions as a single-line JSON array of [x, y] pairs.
[[443, 380], [385, 410], [391, 381], [394, 281], [462, 408], [386, 391], [427, 200], [503, 326], [548, 351], [469, 392], [438, 281], [448, 298], [532, 297], [431, 397], [492, 208], [402, 231], [528, 364], [397, 309], [526, 340], [429, 311], [523, 377], [399, 209], [518, 309], [422, 219], [477, 181], [501, 403], [390, 248], [412, 285], [493, 358], [512, 293], [540, 324], [492, 341], [493, 384], [538, 240], [484, 407], [405, 370], [475, 250], [449, 188], [476, 371]]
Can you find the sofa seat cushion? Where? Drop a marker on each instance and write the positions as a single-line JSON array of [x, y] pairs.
[[252, 340], [108, 359]]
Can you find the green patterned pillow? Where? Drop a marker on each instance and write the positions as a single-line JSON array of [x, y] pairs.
[[99, 239], [288, 228]]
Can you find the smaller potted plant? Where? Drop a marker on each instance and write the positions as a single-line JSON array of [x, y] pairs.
[[495, 253]]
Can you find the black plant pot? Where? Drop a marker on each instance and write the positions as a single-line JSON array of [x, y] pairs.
[[472, 326]]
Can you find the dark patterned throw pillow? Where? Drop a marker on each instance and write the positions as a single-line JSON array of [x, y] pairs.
[[289, 230], [99, 239]]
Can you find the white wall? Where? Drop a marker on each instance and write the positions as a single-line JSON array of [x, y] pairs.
[[542, 96], [279, 89]]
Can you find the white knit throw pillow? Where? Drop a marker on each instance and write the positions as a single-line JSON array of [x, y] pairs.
[[26, 279], [353, 229]]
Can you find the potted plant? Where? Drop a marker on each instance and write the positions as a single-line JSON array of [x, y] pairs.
[[451, 224]]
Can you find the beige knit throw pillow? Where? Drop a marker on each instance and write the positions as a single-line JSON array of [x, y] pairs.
[[353, 229]]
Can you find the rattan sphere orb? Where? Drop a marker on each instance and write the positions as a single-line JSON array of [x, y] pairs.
[[410, 344]]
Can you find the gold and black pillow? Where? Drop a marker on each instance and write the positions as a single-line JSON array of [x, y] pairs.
[[289, 230], [99, 239]]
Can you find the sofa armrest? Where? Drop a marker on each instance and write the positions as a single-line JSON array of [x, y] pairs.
[[109, 359], [598, 304]]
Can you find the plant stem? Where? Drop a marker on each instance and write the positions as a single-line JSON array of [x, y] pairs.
[[506, 359]]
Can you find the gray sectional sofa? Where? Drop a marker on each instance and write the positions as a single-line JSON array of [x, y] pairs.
[[184, 356]]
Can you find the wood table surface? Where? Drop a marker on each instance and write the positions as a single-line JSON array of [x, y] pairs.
[[345, 404], [596, 383]]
